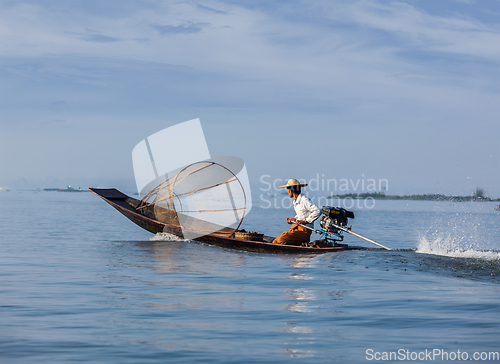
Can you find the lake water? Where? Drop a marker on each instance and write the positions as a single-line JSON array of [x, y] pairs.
[[81, 283]]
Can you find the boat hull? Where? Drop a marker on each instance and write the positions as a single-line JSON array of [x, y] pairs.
[[127, 206]]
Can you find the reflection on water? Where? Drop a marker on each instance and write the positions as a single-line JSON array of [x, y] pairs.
[[303, 262], [300, 300], [310, 302], [191, 290], [196, 296], [186, 256]]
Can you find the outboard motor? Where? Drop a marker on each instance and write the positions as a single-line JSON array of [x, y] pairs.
[[333, 224], [334, 216]]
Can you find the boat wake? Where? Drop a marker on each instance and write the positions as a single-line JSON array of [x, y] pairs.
[[448, 246], [166, 237], [460, 236]]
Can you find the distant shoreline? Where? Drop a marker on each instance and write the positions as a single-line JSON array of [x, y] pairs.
[[426, 197]]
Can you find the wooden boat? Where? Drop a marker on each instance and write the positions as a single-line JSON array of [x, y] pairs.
[[127, 206]]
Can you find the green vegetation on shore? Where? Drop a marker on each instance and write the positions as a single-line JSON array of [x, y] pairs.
[[427, 197]]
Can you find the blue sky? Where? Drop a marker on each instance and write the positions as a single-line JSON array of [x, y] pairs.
[[407, 91]]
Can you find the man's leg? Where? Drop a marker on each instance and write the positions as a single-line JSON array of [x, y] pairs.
[[296, 236]]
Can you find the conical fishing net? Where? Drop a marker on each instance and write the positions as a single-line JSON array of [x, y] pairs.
[[203, 198]]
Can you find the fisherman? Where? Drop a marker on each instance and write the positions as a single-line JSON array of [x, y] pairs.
[[306, 213]]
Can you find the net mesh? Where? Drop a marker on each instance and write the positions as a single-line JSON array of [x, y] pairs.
[[203, 198]]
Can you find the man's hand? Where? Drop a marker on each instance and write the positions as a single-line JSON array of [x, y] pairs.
[[292, 220]]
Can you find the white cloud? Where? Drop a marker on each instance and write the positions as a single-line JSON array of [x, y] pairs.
[[251, 42], [459, 34], [335, 58]]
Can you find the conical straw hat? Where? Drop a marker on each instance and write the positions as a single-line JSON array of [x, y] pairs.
[[294, 182]]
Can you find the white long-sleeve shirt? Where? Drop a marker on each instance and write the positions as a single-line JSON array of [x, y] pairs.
[[305, 210]]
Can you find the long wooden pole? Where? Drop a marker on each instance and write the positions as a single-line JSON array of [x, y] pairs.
[[361, 237]]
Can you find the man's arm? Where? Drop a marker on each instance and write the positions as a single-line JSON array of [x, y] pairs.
[[314, 211]]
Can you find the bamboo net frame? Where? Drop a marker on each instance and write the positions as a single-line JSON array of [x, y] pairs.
[[164, 198]]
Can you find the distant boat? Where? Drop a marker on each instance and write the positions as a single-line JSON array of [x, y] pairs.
[[497, 208], [68, 189]]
